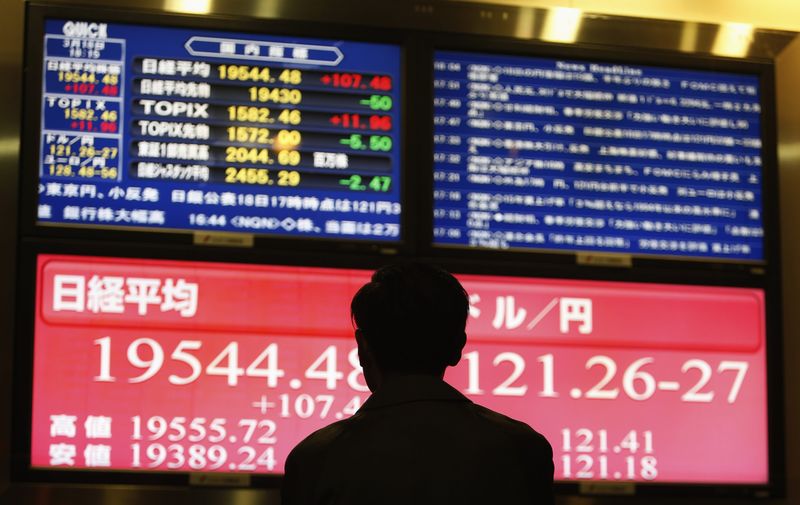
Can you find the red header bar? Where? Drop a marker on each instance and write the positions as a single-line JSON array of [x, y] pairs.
[[619, 314], [282, 300]]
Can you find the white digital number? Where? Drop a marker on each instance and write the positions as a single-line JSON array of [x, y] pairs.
[[153, 364], [105, 360], [597, 391], [231, 370], [217, 428], [177, 424], [505, 388], [180, 354], [548, 376], [741, 370], [694, 394], [197, 426], [330, 374], [271, 371], [633, 374], [473, 387]]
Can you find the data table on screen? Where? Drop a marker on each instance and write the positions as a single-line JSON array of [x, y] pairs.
[[155, 365], [567, 155], [187, 129]]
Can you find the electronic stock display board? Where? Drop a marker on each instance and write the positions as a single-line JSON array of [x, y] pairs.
[[189, 129], [140, 366], [570, 155], [178, 366], [152, 366]]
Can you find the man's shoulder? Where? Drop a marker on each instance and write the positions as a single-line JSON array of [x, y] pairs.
[[486, 426], [307, 462], [489, 420], [322, 439], [517, 431]]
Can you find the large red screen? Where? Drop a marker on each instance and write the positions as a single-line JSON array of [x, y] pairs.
[[211, 367]]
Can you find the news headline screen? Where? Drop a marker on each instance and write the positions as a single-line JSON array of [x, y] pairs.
[[180, 366], [187, 129], [567, 155]]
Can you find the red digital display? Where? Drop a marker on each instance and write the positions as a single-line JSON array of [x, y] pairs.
[[150, 365]]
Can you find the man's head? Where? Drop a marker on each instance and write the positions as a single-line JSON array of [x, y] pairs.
[[410, 318]]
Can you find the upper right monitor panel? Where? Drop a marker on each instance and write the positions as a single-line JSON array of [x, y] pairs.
[[561, 155]]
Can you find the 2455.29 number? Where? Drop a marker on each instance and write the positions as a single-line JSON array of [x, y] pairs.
[[261, 176]]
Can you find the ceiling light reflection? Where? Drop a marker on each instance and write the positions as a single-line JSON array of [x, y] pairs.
[[733, 39], [189, 6], [562, 24]]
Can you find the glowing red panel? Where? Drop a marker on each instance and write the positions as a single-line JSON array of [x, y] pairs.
[[187, 366]]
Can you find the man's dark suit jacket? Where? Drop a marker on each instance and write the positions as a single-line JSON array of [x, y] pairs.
[[419, 441]]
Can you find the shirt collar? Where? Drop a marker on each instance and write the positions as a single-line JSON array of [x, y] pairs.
[[412, 388]]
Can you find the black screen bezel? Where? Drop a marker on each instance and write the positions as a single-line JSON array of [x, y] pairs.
[[416, 227], [30, 249]]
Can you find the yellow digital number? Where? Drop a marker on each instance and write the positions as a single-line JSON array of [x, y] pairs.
[[108, 173], [79, 77], [109, 153], [248, 134], [288, 178], [60, 150], [243, 73], [248, 175], [287, 139], [79, 114], [290, 116], [61, 170], [291, 76], [87, 172], [291, 158], [248, 114], [275, 95], [87, 152], [246, 155]]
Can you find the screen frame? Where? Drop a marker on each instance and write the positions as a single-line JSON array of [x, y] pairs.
[[501, 46], [24, 355], [416, 228], [37, 14]]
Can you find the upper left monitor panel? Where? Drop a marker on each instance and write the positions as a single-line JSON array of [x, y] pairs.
[[167, 128]]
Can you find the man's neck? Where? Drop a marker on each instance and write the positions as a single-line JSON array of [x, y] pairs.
[[388, 377]]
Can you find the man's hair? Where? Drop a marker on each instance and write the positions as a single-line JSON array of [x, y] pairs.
[[412, 316]]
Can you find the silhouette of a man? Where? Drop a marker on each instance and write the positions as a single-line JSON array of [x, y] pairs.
[[417, 440]]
